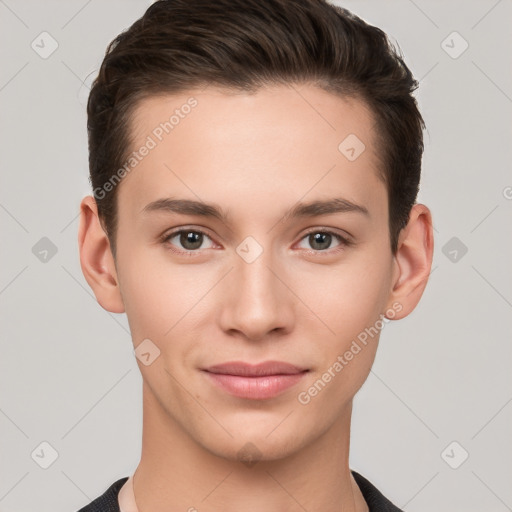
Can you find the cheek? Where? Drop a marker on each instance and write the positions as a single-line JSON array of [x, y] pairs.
[[341, 299], [348, 303], [348, 297], [163, 300], [150, 294]]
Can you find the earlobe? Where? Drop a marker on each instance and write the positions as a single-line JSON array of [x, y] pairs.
[[96, 258], [413, 261]]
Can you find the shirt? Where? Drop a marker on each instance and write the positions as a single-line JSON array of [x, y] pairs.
[[109, 501]]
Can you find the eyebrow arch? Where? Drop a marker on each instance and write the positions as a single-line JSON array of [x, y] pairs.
[[186, 207], [324, 207], [311, 209]]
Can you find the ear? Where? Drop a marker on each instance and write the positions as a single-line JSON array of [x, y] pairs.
[[413, 261], [96, 258]]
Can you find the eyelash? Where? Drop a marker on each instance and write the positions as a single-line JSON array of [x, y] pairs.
[[344, 242]]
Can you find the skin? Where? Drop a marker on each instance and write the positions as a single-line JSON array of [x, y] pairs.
[[255, 156]]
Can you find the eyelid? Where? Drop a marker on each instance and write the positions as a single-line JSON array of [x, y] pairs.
[[345, 240], [171, 234], [346, 237]]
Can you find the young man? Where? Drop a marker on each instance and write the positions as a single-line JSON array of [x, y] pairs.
[[255, 166]]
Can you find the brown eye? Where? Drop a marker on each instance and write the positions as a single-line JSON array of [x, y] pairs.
[[187, 239], [319, 240]]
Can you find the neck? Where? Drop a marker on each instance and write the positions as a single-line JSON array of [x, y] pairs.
[[176, 472]]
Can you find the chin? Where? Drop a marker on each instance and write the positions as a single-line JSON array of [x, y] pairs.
[[254, 444]]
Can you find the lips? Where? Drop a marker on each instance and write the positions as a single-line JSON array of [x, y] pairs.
[[255, 382], [257, 370]]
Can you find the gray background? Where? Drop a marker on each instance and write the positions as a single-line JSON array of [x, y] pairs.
[[68, 375]]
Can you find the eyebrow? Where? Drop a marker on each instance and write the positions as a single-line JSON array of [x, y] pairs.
[[301, 209]]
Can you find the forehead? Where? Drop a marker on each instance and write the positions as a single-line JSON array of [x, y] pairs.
[[279, 109], [281, 141]]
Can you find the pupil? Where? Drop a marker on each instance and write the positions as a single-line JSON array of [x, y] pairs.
[[191, 240], [319, 238]]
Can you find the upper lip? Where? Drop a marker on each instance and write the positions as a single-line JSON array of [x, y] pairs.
[[255, 370]]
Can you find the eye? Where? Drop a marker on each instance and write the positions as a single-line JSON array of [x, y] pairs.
[[190, 239], [320, 240]]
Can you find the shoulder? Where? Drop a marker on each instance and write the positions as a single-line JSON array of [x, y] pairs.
[[376, 501], [107, 502]]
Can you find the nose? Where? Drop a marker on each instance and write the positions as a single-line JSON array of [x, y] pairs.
[[257, 299]]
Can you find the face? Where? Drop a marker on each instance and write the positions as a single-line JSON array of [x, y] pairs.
[[262, 279]]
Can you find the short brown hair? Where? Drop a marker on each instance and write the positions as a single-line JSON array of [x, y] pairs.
[[244, 45]]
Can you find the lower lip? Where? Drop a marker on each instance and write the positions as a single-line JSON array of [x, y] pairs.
[[255, 388]]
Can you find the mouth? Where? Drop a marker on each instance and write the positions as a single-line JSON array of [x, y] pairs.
[[255, 382]]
